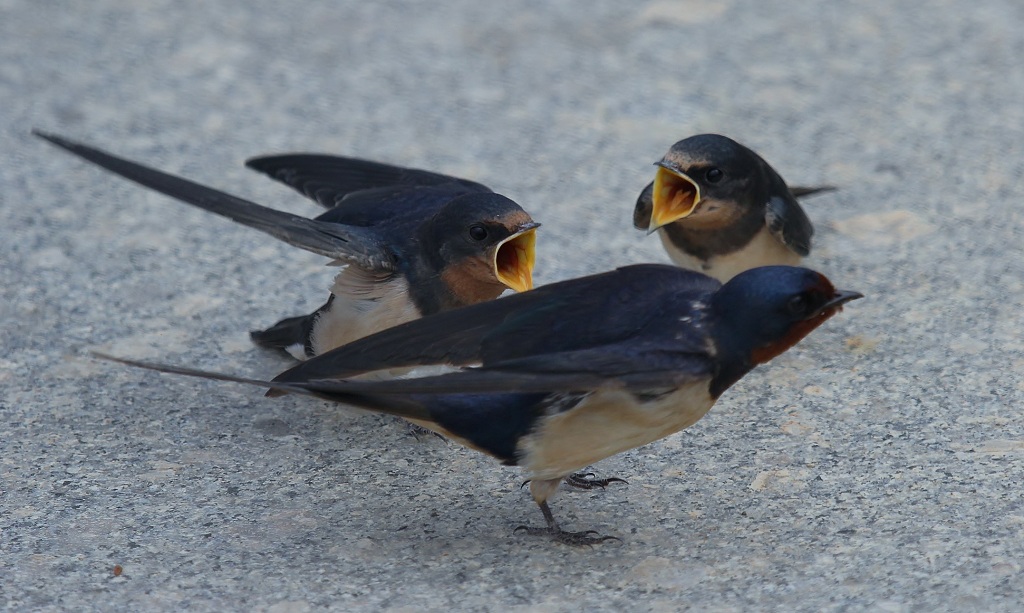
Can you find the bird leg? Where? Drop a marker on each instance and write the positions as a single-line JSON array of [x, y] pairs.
[[586, 537], [541, 489]]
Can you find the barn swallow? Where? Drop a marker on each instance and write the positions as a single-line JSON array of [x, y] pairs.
[[721, 209], [411, 242], [560, 377]]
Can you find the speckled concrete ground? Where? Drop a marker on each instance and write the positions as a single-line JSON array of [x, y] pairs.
[[877, 466]]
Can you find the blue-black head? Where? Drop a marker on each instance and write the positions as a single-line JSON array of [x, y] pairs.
[[764, 311], [486, 239], [704, 177]]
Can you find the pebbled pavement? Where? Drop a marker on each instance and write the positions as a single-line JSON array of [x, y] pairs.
[[875, 467]]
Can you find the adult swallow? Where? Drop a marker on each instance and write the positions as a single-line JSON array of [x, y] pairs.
[[411, 242], [577, 371], [721, 209]]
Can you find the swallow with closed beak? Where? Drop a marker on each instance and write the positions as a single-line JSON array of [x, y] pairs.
[[568, 374]]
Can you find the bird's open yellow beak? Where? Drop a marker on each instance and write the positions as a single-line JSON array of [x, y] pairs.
[[514, 258], [675, 196]]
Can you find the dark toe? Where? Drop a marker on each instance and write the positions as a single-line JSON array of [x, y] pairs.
[[589, 481]]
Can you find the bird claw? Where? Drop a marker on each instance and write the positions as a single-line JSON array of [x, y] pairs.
[[584, 481], [589, 481], [586, 538], [419, 432]]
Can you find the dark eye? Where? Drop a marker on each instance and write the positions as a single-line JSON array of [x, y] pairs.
[[798, 305], [714, 175], [477, 232]]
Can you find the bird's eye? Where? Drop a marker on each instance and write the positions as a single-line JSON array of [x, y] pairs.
[[477, 232], [797, 305], [714, 175]]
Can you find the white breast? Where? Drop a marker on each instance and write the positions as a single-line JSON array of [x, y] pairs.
[[763, 250], [363, 304], [605, 423]]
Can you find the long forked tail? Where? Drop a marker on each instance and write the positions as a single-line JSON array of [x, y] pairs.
[[401, 406]]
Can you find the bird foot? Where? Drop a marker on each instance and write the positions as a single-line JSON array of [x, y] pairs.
[[589, 481], [419, 432], [586, 538], [584, 481]]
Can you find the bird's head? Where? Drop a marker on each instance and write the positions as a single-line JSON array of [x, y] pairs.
[[486, 243], [702, 179], [762, 312]]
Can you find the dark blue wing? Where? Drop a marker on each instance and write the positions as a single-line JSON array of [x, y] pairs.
[[576, 315], [330, 179], [788, 223], [360, 246]]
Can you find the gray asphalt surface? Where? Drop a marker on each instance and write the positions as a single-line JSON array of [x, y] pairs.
[[877, 466]]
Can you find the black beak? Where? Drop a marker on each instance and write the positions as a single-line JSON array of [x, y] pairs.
[[840, 298]]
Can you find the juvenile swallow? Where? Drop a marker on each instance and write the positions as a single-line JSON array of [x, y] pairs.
[[721, 209], [576, 371], [411, 242]]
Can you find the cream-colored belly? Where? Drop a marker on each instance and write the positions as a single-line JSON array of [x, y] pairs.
[[362, 305], [606, 423], [763, 250]]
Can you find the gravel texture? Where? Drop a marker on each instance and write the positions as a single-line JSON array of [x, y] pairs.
[[877, 466]]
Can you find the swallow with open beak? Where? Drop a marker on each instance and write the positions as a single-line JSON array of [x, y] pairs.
[[411, 242], [721, 209], [560, 377]]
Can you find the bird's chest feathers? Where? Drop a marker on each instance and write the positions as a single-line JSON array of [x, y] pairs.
[[363, 303], [605, 423], [470, 281], [763, 249]]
